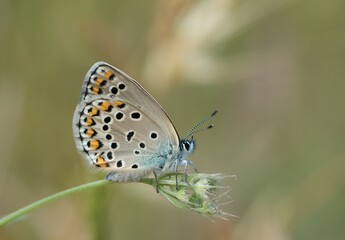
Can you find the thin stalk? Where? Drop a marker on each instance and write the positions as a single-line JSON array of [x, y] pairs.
[[25, 210]]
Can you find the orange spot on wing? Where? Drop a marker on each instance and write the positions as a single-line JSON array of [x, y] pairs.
[[95, 144], [94, 111], [106, 106], [95, 90], [90, 132], [89, 121], [100, 162], [109, 74], [119, 104], [99, 81]]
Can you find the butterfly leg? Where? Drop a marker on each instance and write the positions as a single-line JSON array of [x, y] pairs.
[[190, 163], [176, 169], [186, 163]]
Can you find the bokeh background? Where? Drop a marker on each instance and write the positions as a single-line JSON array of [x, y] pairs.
[[273, 68]]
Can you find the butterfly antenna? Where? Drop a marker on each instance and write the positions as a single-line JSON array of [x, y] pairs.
[[195, 130]]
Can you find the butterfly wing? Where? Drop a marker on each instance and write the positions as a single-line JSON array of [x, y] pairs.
[[121, 128]]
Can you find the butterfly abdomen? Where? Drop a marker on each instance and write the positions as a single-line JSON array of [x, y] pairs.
[[128, 176]]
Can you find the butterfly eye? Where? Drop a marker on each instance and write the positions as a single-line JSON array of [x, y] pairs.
[[186, 146]]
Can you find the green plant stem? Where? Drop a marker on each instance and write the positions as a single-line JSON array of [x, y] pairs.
[[202, 184], [149, 181], [25, 210]]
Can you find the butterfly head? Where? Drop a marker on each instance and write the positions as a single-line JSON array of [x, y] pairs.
[[187, 146]]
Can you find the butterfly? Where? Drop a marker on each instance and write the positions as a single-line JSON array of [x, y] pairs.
[[122, 130]]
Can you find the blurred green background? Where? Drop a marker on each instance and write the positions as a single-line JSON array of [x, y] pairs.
[[273, 68]]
